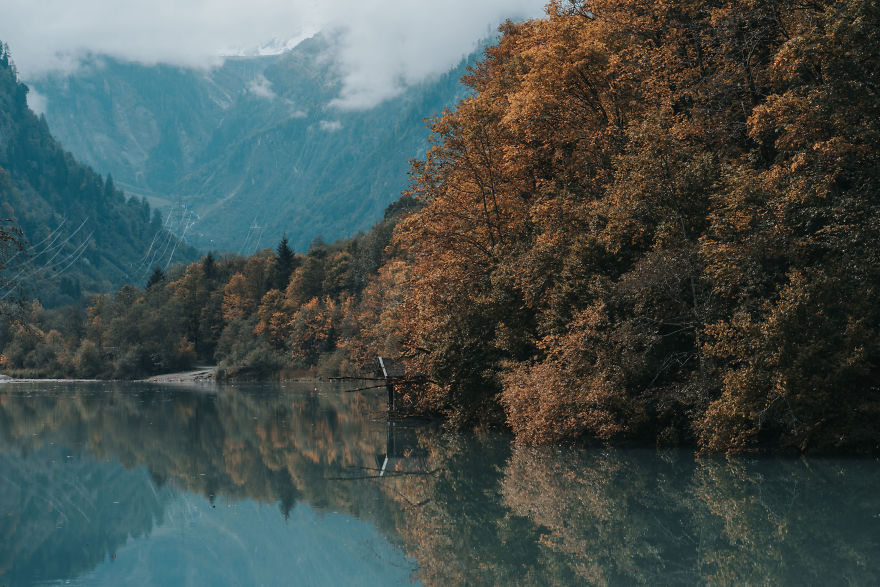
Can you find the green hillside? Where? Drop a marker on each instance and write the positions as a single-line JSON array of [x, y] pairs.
[[83, 234]]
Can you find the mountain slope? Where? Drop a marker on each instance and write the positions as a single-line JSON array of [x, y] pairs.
[[252, 149], [85, 235]]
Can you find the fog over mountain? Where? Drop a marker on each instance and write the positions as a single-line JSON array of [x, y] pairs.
[[386, 45], [245, 121], [238, 155]]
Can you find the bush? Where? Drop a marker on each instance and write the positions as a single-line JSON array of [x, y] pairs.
[[87, 361]]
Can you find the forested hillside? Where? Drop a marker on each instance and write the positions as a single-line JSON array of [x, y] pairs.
[[250, 150], [82, 234], [650, 222], [659, 221], [322, 312]]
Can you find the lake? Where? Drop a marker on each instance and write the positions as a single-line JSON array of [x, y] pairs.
[[306, 484]]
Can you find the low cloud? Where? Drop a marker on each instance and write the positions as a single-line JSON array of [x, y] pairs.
[[330, 125], [54, 34], [261, 87], [385, 44], [36, 101]]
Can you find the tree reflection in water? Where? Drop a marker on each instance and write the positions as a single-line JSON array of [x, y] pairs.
[[468, 508]]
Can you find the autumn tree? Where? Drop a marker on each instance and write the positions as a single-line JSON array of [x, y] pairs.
[[640, 218], [793, 246]]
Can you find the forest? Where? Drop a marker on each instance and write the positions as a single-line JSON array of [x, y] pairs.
[[649, 222], [83, 235]]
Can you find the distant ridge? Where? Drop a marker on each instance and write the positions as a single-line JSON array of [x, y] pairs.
[[255, 142]]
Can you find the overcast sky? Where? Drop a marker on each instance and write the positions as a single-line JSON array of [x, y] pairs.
[[385, 43]]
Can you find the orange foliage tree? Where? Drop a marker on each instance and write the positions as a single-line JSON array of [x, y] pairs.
[[655, 220]]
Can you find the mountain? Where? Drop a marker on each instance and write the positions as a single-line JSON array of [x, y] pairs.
[[83, 234], [249, 150]]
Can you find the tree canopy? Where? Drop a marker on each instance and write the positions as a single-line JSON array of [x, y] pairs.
[[658, 220]]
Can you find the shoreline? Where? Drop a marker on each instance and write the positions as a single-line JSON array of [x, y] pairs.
[[201, 375], [9, 379]]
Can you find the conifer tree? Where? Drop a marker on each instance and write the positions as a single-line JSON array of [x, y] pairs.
[[109, 188], [284, 265], [209, 266], [157, 277]]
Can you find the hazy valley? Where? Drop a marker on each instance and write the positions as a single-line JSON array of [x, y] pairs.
[[238, 155]]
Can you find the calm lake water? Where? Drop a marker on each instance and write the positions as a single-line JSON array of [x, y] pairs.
[[112, 484]]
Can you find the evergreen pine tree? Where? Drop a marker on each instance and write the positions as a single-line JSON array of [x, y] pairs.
[[209, 266], [109, 188], [284, 265], [156, 278]]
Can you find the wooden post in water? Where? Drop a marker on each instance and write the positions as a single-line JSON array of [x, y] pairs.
[[386, 373]]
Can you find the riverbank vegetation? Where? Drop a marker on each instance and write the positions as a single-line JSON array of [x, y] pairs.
[[313, 313], [650, 221]]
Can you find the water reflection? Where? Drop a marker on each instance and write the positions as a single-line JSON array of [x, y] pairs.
[[88, 471], [61, 514], [169, 451]]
